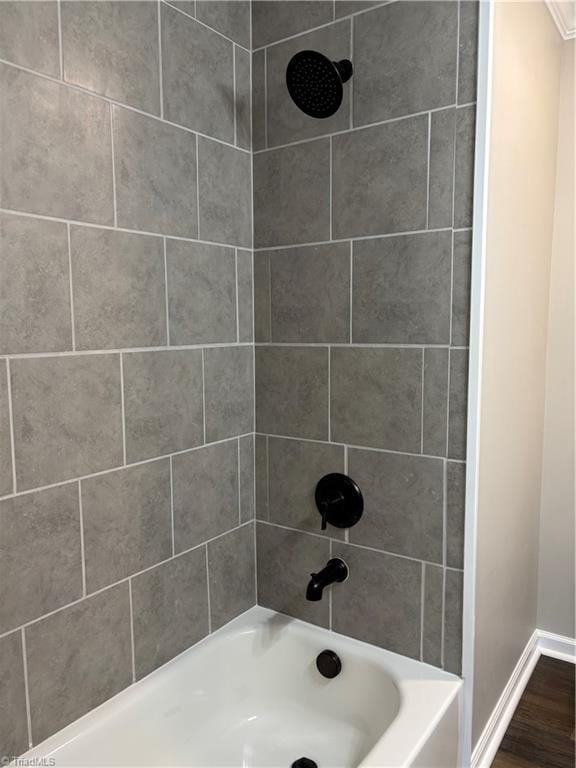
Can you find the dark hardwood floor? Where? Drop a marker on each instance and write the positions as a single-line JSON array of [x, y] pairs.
[[541, 732]]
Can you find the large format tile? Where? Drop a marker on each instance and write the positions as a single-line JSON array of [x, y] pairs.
[[29, 35], [245, 290], [379, 603], [401, 289], [78, 658], [40, 563], [242, 96], [461, 288], [379, 179], [464, 172], [231, 564], [229, 391], [258, 100], [435, 402], [404, 498], [67, 417], [34, 288], [127, 522], [292, 391], [292, 194], [155, 166], [170, 605], [286, 121], [13, 719], [55, 154], [201, 293], [455, 511], [197, 76], [261, 472], [247, 478], [163, 402], [118, 285], [5, 437], [433, 612], [344, 7], [376, 397], [468, 51], [284, 561], [453, 621], [231, 17], [262, 306], [225, 189], [458, 403], [205, 493], [404, 59], [442, 137], [310, 293], [272, 20], [295, 468], [112, 48]]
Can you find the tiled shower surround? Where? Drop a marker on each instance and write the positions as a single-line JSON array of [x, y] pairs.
[[154, 397], [362, 236]]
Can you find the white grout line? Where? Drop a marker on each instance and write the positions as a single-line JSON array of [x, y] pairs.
[[123, 409], [207, 26], [71, 289], [125, 580], [60, 41], [129, 465], [171, 460], [26, 686], [239, 485], [237, 291], [442, 632], [269, 270], [130, 350], [160, 72], [448, 402], [444, 512], [265, 103], [166, 298], [198, 187], [353, 544], [422, 403], [132, 645], [351, 81], [351, 289], [11, 426], [331, 163], [457, 51], [428, 171], [267, 478], [322, 26], [329, 396], [114, 204], [112, 228], [330, 555], [82, 546], [363, 127], [348, 346], [422, 601], [372, 448], [354, 238], [203, 400], [129, 107], [208, 590], [235, 90]]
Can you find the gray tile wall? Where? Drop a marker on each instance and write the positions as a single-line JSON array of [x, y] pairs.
[[362, 226], [126, 346]]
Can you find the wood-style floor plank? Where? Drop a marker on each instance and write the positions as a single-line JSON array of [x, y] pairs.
[[541, 733]]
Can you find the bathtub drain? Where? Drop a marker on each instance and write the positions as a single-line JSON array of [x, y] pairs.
[[304, 762]]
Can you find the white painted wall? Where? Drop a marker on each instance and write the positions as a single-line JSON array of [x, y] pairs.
[[556, 594], [519, 224]]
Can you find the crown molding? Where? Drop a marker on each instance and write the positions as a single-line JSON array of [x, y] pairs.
[[564, 14]]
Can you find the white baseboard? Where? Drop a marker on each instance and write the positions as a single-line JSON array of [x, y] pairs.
[[493, 733], [541, 643], [557, 646]]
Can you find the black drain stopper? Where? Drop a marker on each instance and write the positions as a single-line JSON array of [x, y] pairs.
[[304, 762]]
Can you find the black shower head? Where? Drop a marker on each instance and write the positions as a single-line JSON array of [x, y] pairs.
[[315, 83]]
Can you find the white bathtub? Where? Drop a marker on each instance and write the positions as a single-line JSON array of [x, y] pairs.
[[250, 695]]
